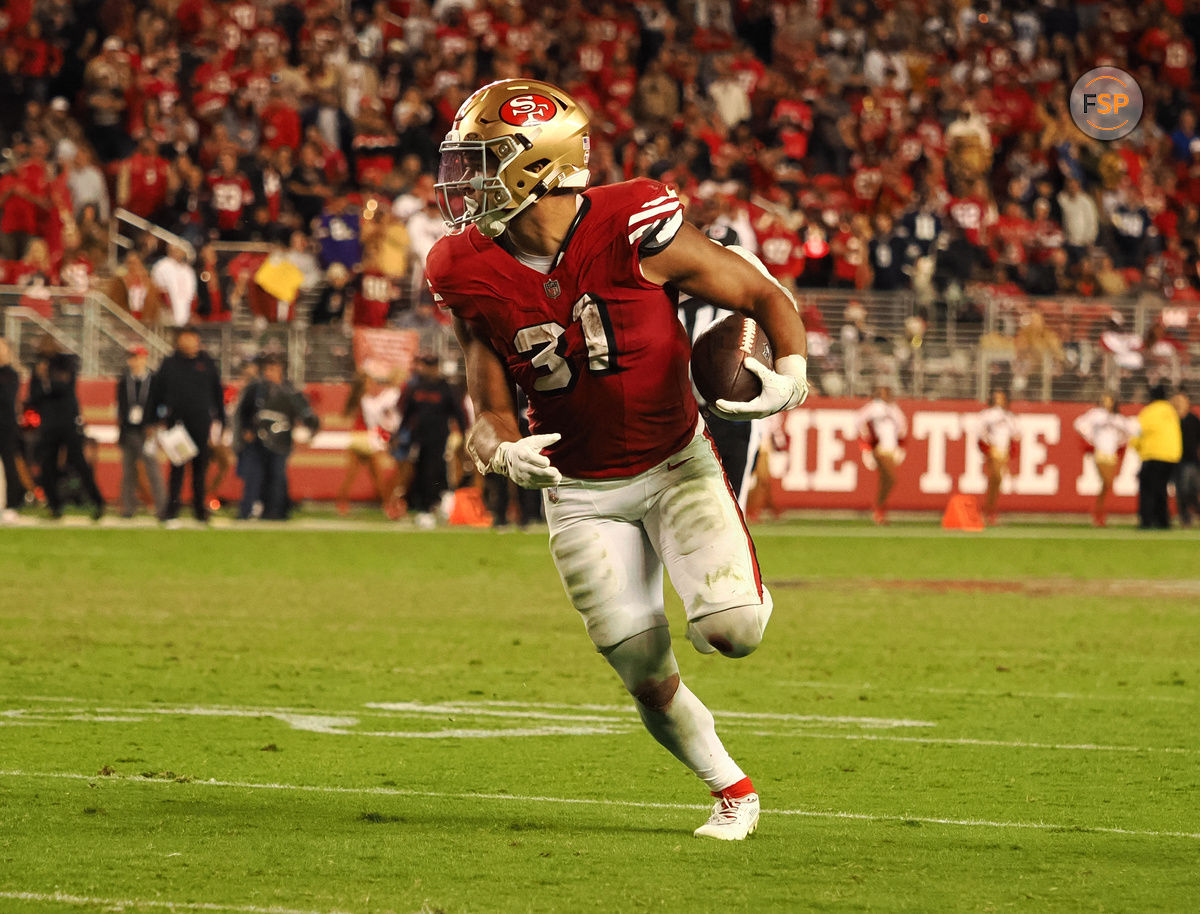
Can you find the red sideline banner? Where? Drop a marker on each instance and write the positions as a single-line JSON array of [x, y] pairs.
[[396, 349], [821, 466], [315, 471]]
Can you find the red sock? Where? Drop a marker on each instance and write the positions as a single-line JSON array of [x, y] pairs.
[[734, 791]]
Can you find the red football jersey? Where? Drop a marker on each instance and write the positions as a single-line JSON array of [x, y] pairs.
[[374, 300], [231, 194], [596, 347]]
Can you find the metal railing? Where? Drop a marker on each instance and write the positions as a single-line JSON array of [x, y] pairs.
[[856, 341], [1038, 349], [88, 324], [117, 241]]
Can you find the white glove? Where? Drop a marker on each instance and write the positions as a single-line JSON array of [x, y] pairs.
[[524, 463], [783, 388]]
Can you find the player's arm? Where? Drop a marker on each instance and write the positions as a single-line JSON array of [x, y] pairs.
[[737, 281], [719, 275], [495, 442]]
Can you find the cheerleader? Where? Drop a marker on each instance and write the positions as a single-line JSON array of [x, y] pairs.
[[1105, 433]]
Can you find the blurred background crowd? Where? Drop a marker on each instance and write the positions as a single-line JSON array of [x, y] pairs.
[[895, 144], [910, 166], [911, 146]]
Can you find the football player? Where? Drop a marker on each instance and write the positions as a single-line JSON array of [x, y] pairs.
[[570, 292]]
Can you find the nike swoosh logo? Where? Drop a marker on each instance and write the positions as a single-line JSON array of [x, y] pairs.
[[676, 466]]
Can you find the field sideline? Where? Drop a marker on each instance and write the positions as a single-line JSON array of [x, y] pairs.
[[346, 717]]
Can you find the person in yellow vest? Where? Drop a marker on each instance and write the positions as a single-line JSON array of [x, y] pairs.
[[1160, 445]]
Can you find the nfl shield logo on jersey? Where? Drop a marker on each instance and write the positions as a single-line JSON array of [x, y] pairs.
[[553, 289]]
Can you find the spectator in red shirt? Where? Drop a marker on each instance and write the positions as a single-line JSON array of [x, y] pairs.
[[281, 121], [23, 196], [851, 269], [35, 268], [376, 295], [270, 180], [1179, 58], [142, 180], [375, 144], [231, 197]]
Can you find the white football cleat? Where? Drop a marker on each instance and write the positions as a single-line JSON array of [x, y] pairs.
[[732, 819]]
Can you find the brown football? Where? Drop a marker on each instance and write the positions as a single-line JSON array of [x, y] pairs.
[[718, 354]]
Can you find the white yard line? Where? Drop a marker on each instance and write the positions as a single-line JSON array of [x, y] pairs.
[[599, 720], [979, 693], [587, 801], [530, 709], [120, 904], [325, 721], [967, 741]]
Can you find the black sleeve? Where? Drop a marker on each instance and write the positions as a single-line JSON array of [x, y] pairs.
[[156, 404], [304, 412], [122, 400], [405, 403], [456, 408], [247, 407], [217, 393], [62, 376], [36, 393]]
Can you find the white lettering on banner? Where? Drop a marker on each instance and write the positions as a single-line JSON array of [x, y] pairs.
[[973, 481], [835, 473], [821, 456], [1088, 480], [937, 429], [1035, 476], [793, 474]]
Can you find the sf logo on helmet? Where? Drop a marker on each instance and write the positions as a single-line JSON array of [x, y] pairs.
[[527, 110]]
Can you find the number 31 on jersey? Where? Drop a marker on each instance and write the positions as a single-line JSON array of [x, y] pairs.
[[545, 346]]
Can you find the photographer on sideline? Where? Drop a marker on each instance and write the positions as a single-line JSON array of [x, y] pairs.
[[272, 416], [52, 396]]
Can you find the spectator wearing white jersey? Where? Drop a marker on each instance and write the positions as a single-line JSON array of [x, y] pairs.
[[1081, 220], [1105, 433], [999, 439], [176, 279], [882, 430], [425, 226]]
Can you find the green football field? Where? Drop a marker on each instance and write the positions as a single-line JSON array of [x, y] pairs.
[[274, 720]]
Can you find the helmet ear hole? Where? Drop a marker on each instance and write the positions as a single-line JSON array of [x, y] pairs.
[[534, 167]]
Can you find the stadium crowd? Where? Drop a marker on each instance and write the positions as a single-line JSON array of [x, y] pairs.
[[920, 145]]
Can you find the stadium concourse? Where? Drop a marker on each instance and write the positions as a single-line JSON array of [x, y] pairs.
[[265, 169]]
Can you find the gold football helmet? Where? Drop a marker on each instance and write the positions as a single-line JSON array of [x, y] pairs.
[[512, 142]]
